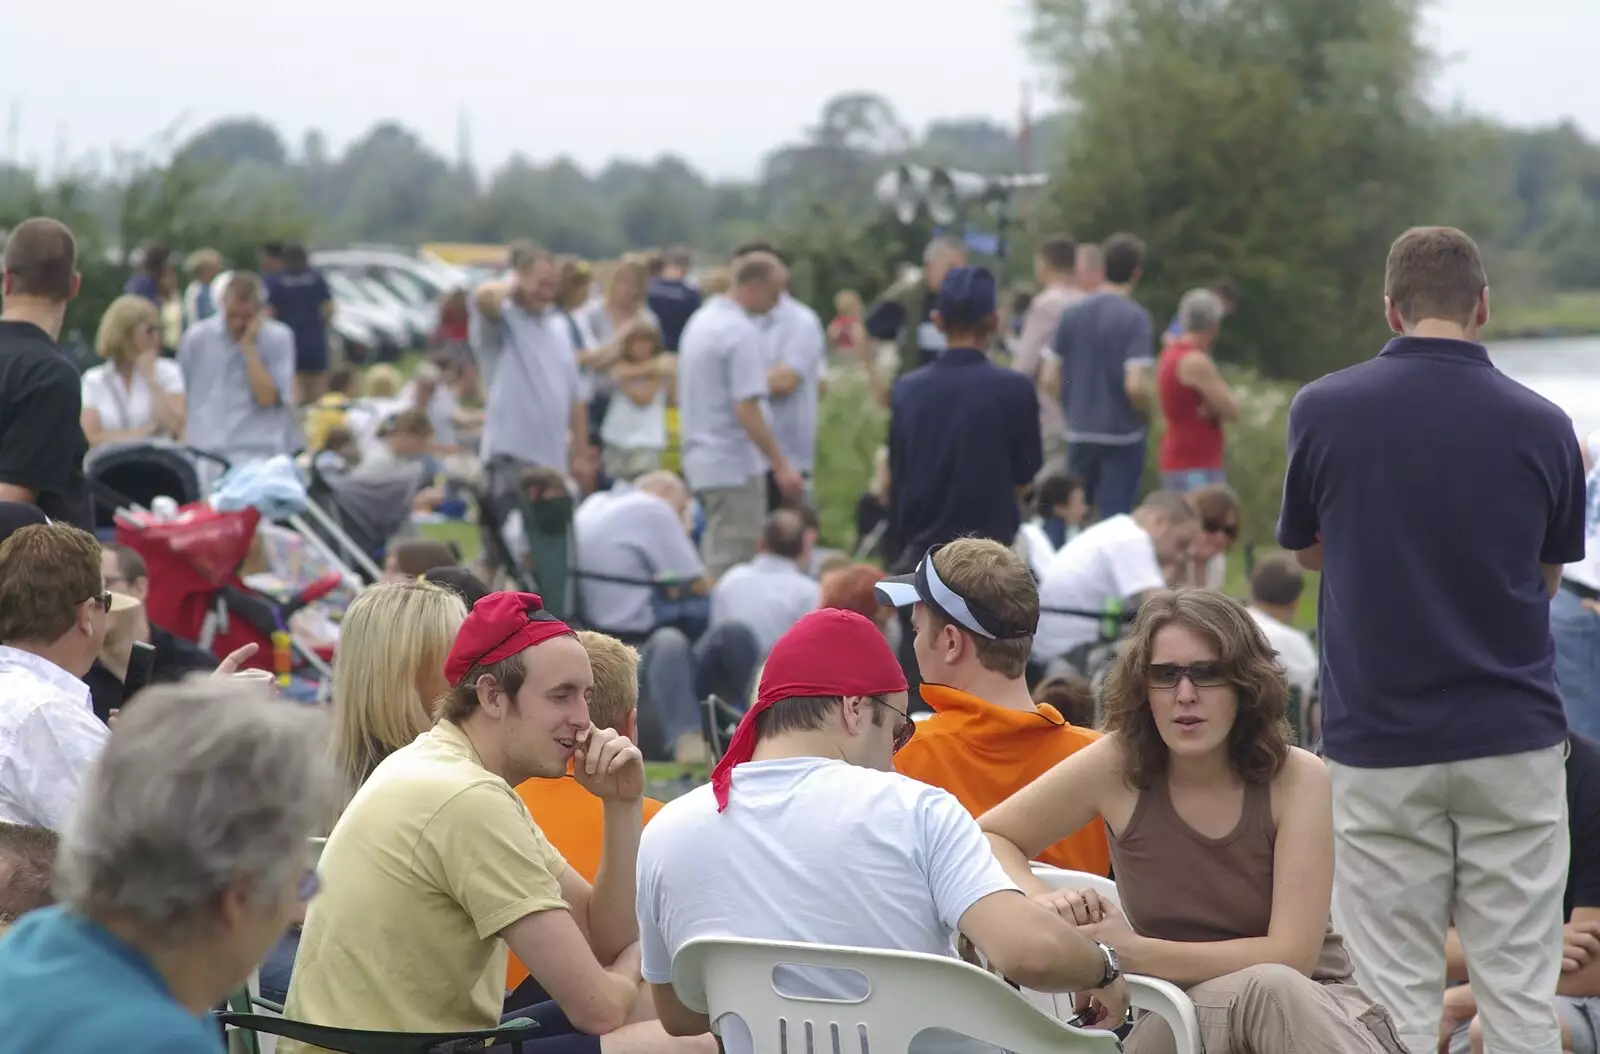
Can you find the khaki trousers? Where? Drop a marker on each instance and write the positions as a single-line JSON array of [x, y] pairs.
[[1274, 1009], [733, 523], [1481, 843]]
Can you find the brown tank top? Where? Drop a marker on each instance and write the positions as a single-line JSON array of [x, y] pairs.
[[1176, 884]]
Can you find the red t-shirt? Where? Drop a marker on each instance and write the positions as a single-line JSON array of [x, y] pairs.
[[1190, 441]]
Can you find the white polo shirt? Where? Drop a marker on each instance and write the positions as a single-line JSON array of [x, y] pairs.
[[1113, 560], [813, 850], [795, 338], [768, 593], [720, 364], [628, 533]]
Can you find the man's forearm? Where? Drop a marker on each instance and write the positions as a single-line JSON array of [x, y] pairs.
[[613, 918], [760, 433], [263, 389]]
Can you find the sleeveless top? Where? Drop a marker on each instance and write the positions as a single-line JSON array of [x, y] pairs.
[[1176, 884], [1190, 441]]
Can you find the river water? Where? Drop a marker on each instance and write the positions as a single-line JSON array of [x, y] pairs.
[[1565, 370]]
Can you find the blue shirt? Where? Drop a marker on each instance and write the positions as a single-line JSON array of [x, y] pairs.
[[1438, 486], [69, 984], [1097, 339], [142, 283], [297, 298], [673, 302], [963, 436]]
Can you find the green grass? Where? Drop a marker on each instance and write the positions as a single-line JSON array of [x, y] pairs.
[[1560, 314]]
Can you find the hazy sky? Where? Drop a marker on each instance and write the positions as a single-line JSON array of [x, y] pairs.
[[717, 81]]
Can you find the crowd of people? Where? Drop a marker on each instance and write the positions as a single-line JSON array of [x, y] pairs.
[[1028, 660]]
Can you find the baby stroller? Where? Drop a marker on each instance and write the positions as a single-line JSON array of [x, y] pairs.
[[196, 591], [355, 515], [124, 475]]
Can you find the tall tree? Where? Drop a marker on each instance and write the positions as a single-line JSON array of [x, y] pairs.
[[1285, 142]]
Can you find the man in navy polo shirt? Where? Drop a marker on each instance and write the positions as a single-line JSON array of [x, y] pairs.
[[963, 436], [1442, 726]]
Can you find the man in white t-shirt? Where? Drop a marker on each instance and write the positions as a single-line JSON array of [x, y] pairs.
[[807, 834], [1107, 569], [1275, 588], [1575, 614]]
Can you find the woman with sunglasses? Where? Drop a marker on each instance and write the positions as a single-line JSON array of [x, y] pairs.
[[137, 394], [1221, 837]]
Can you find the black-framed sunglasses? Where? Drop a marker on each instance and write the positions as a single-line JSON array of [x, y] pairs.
[[904, 730], [1213, 527], [1200, 674], [103, 599]]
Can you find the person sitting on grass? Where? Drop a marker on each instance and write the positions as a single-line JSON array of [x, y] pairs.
[[568, 814], [1221, 837]]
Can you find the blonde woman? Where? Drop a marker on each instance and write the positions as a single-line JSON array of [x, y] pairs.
[[387, 677], [137, 394], [389, 672]]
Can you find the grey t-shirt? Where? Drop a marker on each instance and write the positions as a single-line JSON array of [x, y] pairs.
[[720, 364], [224, 417], [1097, 339], [795, 338], [628, 533], [529, 410]]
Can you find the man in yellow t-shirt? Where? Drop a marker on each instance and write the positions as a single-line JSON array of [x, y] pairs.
[[568, 814], [435, 866]]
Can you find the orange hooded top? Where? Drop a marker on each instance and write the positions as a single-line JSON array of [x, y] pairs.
[[574, 822], [984, 753]]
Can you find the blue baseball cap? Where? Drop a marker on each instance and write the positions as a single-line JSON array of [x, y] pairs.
[[967, 296]]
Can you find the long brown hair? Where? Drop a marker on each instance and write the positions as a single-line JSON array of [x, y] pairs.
[[1259, 741]]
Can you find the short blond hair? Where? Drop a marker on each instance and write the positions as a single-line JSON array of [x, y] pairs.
[[616, 679], [382, 381], [113, 341], [993, 575]]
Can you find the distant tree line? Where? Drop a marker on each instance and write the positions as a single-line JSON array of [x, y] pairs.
[[1282, 142]]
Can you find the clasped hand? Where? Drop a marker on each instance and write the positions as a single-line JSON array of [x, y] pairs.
[[608, 765]]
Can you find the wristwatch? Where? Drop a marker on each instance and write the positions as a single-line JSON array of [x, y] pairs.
[[1113, 965]]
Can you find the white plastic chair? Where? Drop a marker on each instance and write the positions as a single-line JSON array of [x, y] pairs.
[[907, 993], [1162, 998]]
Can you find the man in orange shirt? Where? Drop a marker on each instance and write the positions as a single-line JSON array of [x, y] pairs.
[[975, 609], [570, 816]]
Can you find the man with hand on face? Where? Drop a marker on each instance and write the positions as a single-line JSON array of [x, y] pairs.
[[436, 867], [238, 371]]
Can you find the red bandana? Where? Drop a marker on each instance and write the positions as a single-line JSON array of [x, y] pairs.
[[499, 626], [828, 652]]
